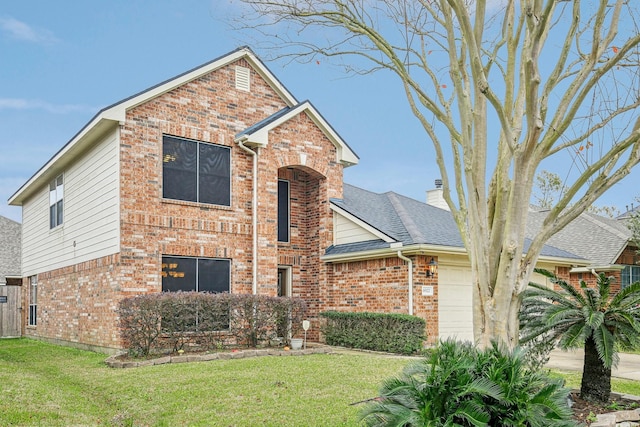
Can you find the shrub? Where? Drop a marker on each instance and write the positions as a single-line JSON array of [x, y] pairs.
[[173, 319], [140, 322], [394, 333], [458, 384]]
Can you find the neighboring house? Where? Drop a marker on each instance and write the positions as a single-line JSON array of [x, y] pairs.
[[9, 250], [220, 180], [605, 242]]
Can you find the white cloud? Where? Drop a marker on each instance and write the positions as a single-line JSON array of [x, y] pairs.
[[35, 104], [22, 31]]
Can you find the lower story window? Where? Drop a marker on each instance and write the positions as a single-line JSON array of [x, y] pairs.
[[630, 274], [195, 274], [33, 300]]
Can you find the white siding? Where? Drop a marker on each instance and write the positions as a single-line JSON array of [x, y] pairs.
[[347, 231], [90, 227]]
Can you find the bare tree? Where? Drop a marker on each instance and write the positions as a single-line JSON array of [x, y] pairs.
[[499, 87]]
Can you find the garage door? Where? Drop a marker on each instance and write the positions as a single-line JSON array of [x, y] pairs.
[[455, 315]]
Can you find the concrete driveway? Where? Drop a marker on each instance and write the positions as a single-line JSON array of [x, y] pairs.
[[628, 367]]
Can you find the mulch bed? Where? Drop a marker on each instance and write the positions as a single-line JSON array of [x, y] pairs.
[[584, 411]]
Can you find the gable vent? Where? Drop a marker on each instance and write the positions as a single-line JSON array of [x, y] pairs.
[[242, 79]]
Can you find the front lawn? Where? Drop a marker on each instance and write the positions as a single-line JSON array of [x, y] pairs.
[[42, 384]]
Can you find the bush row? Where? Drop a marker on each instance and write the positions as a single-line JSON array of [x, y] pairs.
[[394, 333], [169, 320]]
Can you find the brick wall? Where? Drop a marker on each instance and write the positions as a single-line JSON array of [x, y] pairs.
[[381, 286], [77, 304], [81, 300]]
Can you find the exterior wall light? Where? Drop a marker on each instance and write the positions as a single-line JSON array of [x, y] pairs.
[[432, 268]]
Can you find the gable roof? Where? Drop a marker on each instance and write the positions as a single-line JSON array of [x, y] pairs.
[[258, 134], [410, 223], [111, 116], [599, 239], [10, 244]]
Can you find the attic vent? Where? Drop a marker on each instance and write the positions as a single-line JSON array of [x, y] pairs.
[[242, 79]]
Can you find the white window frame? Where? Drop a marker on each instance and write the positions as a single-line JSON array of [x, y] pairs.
[[56, 202]]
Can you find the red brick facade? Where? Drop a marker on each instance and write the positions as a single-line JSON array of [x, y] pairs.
[[381, 285], [77, 304]]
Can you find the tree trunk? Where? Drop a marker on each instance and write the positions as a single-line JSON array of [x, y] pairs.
[[596, 378]]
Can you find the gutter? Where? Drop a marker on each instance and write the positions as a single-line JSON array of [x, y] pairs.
[[591, 269], [410, 267], [254, 215]]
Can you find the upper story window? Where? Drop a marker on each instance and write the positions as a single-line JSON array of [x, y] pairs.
[[283, 211], [56, 201], [630, 274], [196, 171]]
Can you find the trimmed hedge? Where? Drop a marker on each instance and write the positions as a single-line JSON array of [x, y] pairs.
[[155, 322], [390, 332]]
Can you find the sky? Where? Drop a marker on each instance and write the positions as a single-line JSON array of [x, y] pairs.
[[62, 61]]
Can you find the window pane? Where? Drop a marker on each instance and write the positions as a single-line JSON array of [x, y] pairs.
[[215, 174], [52, 193], [179, 167], [635, 275], [178, 274], [59, 212], [52, 216], [59, 189], [33, 310], [283, 211], [213, 275]]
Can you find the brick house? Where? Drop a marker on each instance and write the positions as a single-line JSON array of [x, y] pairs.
[[180, 187], [220, 180], [605, 242]]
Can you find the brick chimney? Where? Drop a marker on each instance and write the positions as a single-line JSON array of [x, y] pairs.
[[434, 197]]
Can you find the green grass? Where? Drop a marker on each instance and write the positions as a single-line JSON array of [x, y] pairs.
[[618, 385], [47, 385]]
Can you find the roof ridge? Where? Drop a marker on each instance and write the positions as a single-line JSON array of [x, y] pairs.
[[407, 221], [595, 220]]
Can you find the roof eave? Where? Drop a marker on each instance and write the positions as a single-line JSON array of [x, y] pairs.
[[590, 268], [97, 127], [116, 113], [393, 251], [260, 137]]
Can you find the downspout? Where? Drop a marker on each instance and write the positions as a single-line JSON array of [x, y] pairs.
[[254, 215], [410, 266]]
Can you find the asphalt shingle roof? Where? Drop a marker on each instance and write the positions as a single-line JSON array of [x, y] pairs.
[[408, 221], [593, 237]]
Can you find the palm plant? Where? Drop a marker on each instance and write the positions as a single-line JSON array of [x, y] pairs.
[[593, 317], [459, 385]]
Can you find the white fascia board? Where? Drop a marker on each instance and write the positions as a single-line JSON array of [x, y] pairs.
[[569, 262], [587, 269], [362, 224], [88, 134], [260, 137], [392, 251]]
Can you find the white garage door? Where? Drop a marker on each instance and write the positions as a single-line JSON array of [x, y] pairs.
[[455, 316]]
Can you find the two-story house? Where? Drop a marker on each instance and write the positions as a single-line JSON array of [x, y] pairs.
[[215, 180], [220, 180]]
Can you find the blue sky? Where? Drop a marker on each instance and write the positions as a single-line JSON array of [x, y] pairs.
[[62, 61]]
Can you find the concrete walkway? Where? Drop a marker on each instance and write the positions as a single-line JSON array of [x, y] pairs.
[[628, 367]]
